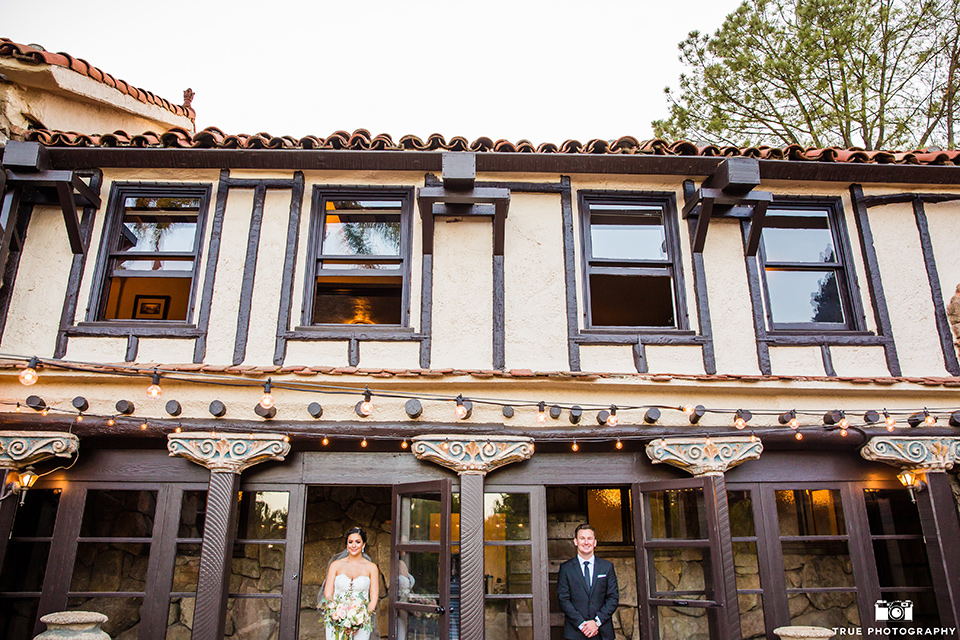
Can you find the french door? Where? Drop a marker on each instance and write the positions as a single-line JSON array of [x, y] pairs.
[[420, 572], [683, 539]]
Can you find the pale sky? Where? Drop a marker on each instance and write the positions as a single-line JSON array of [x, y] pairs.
[[545, 70]]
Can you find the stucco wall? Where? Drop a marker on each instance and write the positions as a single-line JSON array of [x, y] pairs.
[[462, 305]]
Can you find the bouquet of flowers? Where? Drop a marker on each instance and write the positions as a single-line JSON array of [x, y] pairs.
[[347, 613]]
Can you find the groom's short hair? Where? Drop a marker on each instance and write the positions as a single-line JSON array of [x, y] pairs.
[[581, 527]]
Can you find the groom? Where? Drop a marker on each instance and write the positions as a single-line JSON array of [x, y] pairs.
[[588, 591]]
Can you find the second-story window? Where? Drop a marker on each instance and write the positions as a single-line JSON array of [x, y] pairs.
[[632, 262], [359, 257], [151, 253], [806, 281]]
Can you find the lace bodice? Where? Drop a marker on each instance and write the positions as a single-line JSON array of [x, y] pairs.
[[342, 583]]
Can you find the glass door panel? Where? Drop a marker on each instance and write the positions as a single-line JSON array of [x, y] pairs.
[[677, 560], [420, 571]]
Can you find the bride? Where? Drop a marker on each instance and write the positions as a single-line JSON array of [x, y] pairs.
[[353, 573]]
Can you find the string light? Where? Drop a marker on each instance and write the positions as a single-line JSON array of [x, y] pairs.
[[404, 445], [464, 408], [143, 426], [266, 400], [687, 409], [575, 446], [741, 419], [178, 430], [154, 391], [365, 408], [613, 420], [286, 438], [542, 412], [79, 417], [325, 441], [799, 436], [929, 419], [889, 420], [18, 407], [619, 444], [29, 375], [363, 443], [111, 422]]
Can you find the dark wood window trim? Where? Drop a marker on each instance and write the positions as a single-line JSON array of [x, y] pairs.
[[322, 193], [119, 191], [811, 334], [671, 266]]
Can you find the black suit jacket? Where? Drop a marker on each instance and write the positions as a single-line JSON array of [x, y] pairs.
[[579, 603]]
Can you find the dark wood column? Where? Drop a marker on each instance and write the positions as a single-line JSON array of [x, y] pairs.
[[472, 459], [941, 533], [226, 456], [718, 511], [213, 579]]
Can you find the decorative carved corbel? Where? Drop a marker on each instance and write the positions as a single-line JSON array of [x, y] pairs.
[[925, 454], [704, 456], [476, 455], [228, 452], [19, 449]]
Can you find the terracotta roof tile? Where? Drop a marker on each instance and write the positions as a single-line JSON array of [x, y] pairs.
[[360, 140], [33, 55]]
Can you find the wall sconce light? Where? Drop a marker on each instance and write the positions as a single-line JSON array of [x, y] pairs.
[[909, 479], [19, 483]]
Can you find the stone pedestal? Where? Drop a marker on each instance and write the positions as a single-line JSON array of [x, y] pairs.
[[73, 625], [803, 633]]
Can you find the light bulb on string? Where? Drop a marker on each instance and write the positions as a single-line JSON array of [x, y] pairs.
[[29, 375], [366, 406], [266, 400], [798, 436], [463, 409], [178, 430], [619, 444], [575, 446], [154, 391], [613, 420], [742, 417], [794, 423], [542, 412], [18, 407], [44, 412], [889, 420], [363, 443], [687, 409], [111, 422], [929, 419], [79, 417], [143, 426], [325, 441], [404, 445]]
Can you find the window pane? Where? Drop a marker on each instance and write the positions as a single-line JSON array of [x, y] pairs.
[[24, 565], [631, 301], [110, 567], [683, 572], [180, 618], [810, 513], [416, 625], [252, 618], [902, 563], [154, 264], [35, 517], [506, 516], [798, 236], [677, 513], [336, 264], [419, 518], [507, 569], [17, 616], [152, 298], [681, 623], [263, 515], [158, 231], [192, 514], [424, 569], [127, 514], [831, 610], [746, 565], [345, 302], [605, 511], [123, 613], [751, 617], [628, 235], [811, 565], [740, 505], [186, 568], [257, 568], [804, 296], [366, 228], [508, 619], [890, 512]]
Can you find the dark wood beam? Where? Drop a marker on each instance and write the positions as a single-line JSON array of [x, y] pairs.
[[756, 227], [703, 220], [941, 534]]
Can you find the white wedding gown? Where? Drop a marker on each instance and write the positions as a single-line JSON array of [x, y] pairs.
[[341, 584]]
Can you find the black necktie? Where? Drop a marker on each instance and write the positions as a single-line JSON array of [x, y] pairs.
[[586, 573]]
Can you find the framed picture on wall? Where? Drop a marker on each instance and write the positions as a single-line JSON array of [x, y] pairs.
[[151, 307]]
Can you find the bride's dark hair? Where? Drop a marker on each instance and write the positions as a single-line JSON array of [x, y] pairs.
[[356, 530]]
